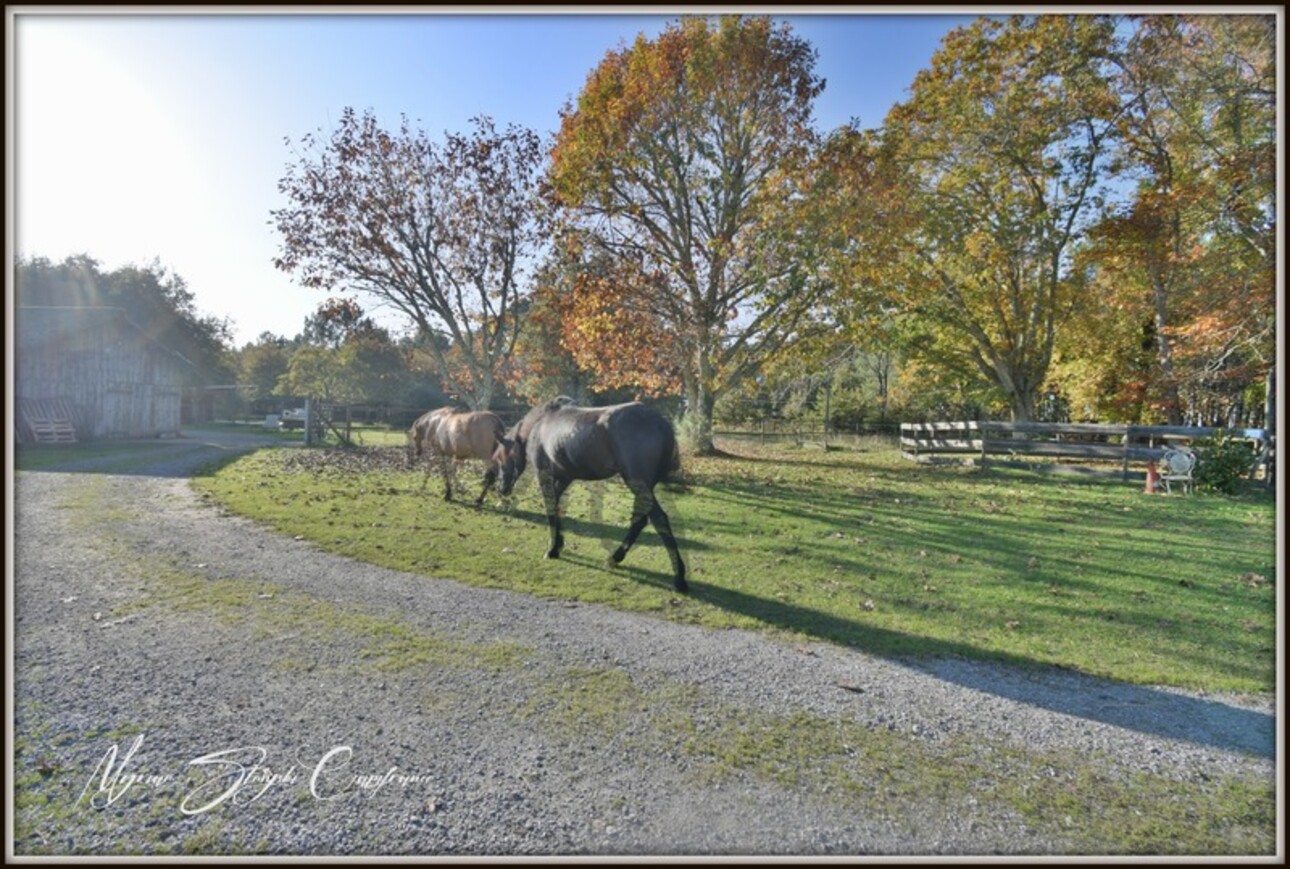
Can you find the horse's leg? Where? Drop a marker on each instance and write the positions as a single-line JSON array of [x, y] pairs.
[[552, 489], [490, 477], [449, 465], [664, 528], [641, 507], [428, 463]]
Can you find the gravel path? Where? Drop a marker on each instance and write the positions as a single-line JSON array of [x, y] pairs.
[[333, 707]]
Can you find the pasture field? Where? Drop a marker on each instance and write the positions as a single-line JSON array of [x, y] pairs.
[[852, 546]]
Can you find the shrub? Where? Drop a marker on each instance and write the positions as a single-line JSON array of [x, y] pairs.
[[1223, 463]]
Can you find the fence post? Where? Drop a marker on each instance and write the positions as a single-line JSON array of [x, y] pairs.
[[1128, 439], [828, 390]]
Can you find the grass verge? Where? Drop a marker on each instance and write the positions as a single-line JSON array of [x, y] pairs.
[[853, 547]]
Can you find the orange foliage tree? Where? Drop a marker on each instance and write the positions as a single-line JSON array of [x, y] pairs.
[[982, 183], [679, 170], [1188, 263]]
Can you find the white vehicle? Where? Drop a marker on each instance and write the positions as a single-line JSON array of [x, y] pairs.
[[293, 418]]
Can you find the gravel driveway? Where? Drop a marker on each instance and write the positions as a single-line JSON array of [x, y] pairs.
[[188, 682]]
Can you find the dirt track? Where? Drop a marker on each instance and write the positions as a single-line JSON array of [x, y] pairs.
[[283, 700]]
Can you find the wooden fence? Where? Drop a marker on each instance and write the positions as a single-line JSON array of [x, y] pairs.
[[1054, 446], [802, 432]]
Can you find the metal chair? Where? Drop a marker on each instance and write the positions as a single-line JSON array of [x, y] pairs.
[[1176, 466]]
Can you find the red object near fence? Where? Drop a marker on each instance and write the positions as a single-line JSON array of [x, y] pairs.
[[1153, 479]]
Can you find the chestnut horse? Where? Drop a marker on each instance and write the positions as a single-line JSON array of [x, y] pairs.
[[565, 442], [453, 435]]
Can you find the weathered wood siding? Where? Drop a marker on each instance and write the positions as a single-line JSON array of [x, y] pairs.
[[121, 384]]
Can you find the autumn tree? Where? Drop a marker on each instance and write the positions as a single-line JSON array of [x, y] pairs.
[[679, 168], [611, 327], [439, 231], [1188, 263], [980, 184], [551, 357], [335, 320], [860, 221]]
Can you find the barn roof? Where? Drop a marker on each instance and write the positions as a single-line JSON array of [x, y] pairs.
[[38, 326]]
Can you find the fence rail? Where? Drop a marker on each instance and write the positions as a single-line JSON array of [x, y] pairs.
[[1020, 444], [807, 432]]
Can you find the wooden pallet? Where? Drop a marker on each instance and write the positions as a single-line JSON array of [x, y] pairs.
[[45, 421], [53, 431]]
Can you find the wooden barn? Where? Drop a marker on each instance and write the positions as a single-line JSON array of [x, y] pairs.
[[89, 373]]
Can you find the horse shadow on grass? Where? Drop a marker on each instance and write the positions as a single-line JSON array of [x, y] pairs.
[[607, 534], [1153, 711]]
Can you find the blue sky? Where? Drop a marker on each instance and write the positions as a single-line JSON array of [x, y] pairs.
[[142, 137]]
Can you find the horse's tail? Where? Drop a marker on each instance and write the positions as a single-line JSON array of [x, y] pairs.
[[670, 464]]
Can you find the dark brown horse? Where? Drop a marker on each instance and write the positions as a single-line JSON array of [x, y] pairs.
[[453, 435], [564, 442]]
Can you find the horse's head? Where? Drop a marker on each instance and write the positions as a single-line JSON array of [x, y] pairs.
[[509, 459]]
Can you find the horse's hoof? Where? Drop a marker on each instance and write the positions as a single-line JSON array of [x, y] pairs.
[[681, 585], [618, 555], [553, 553]]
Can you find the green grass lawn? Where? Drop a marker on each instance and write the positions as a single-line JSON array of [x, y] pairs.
[[856, 546]]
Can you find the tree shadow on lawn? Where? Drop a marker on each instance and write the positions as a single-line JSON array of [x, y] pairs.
[[1134, 707], [994, 541]]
